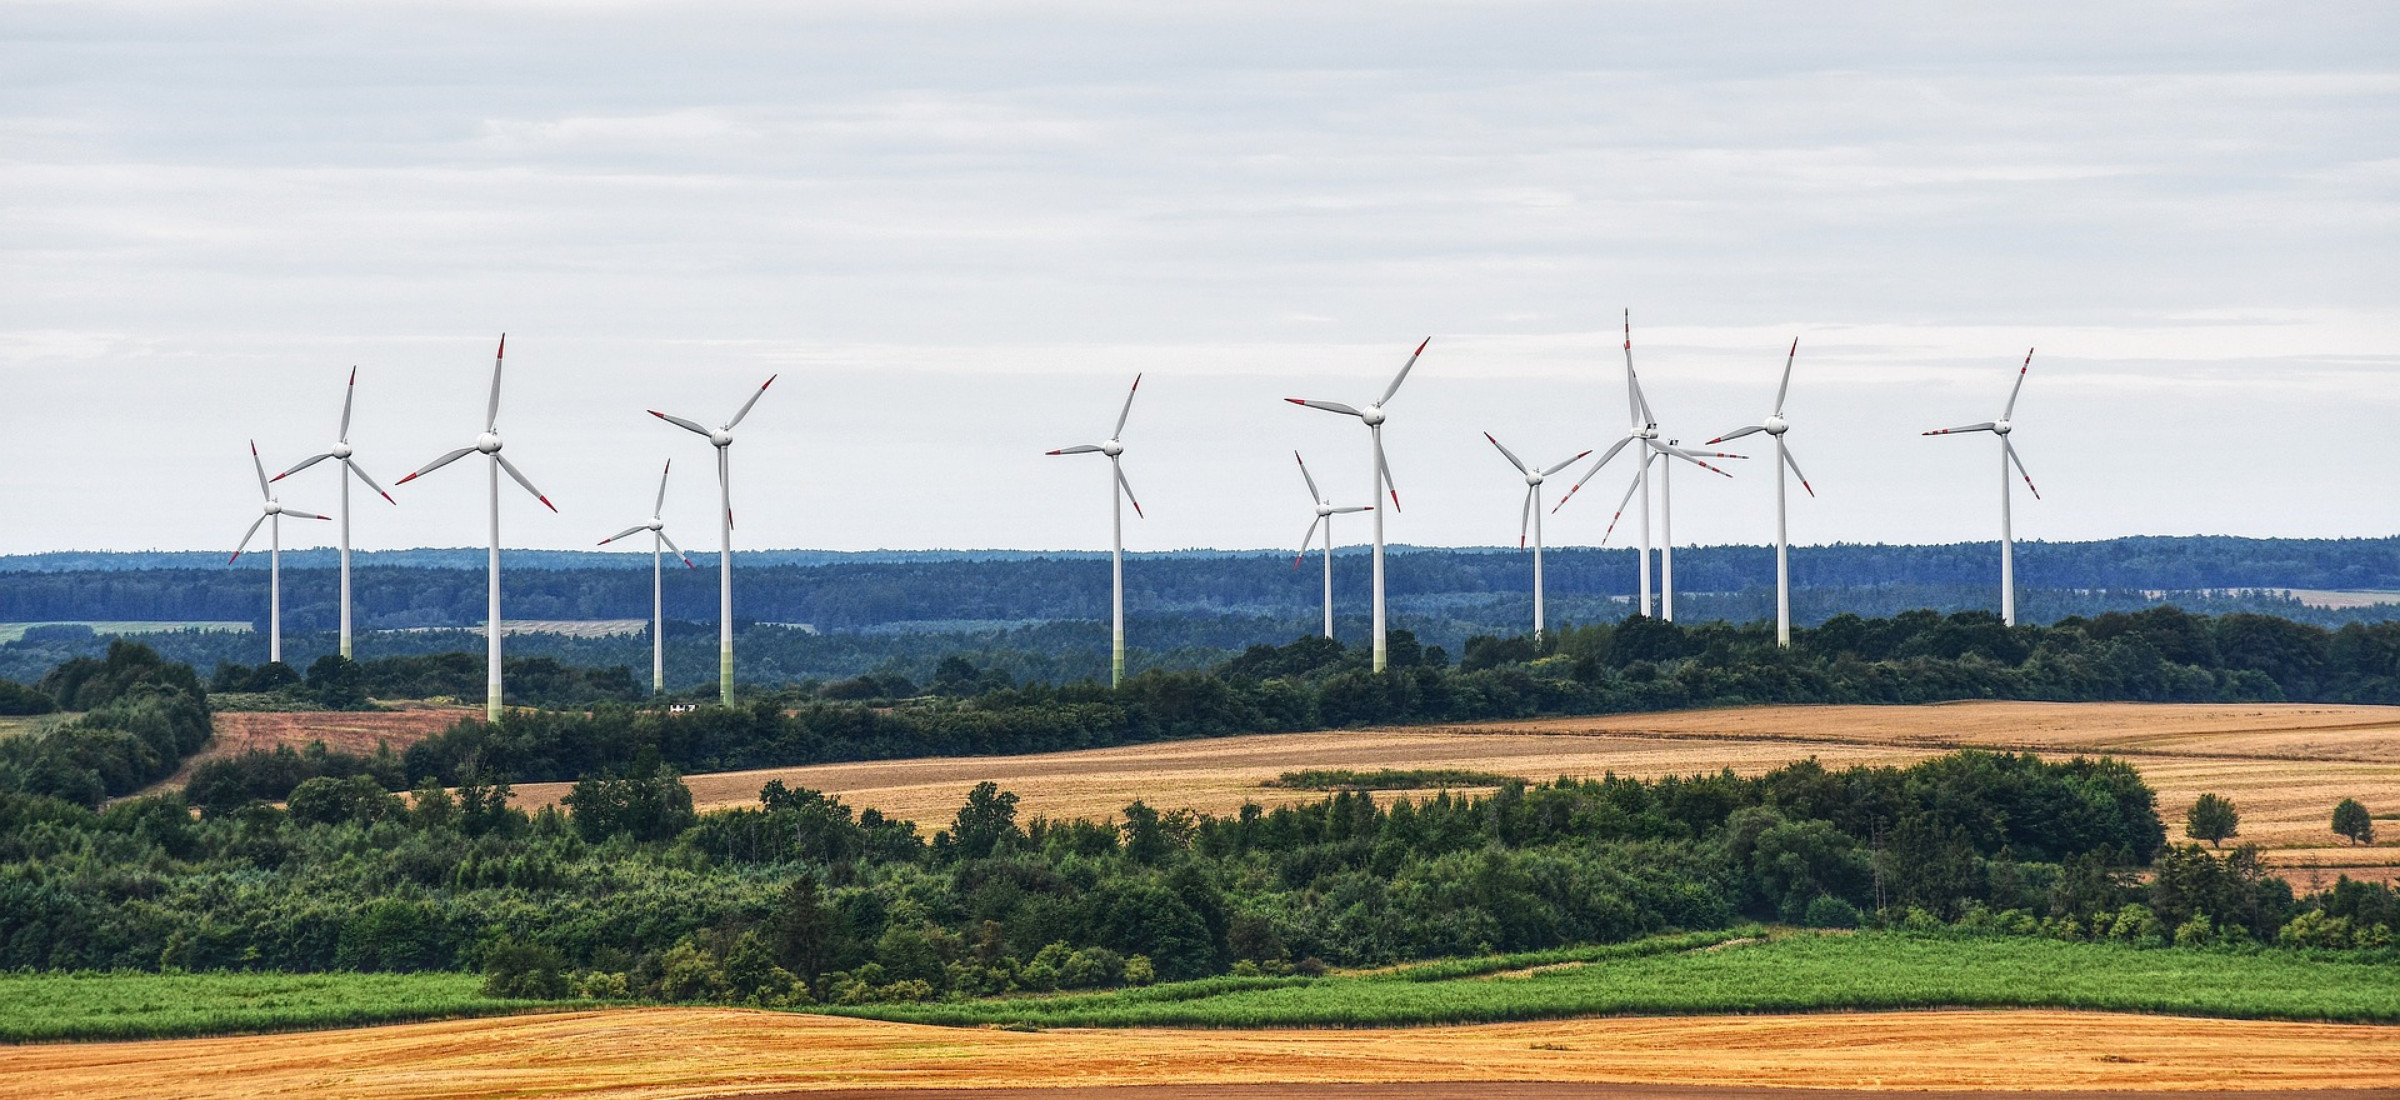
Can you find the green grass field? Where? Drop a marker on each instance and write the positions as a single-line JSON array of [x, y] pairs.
[[16, 726], [10, 632], [53, 1007], [1674, 976]]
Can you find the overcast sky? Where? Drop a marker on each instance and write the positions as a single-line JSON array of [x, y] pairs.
[[958, 231]]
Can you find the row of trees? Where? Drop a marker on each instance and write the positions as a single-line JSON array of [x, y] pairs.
[[142, 717]]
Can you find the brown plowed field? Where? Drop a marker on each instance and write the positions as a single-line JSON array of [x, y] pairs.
[[2284, 765], [341, 730], [678, 1052]]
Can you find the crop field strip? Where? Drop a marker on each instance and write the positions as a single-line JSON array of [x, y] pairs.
[[689, 1052]]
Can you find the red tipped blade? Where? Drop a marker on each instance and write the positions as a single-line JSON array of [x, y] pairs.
[[1421, 347], [503, 352], [546, 503]]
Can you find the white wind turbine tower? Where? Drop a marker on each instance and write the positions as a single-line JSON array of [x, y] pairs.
[[1372, 416], [2008, 455], [1775, 425], [722, 440], [341, 453], [488, 444], [658, 608], [274, 511], [1530, 516], [1325, 513], [1666, 510], [1119, 492], [1641, 430]]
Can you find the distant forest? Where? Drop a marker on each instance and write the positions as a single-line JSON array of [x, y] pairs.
[[813, 614]]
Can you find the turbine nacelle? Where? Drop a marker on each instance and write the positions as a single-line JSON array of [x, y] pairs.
[[2003, 427], [273, 508], [721, 438], [342, 450], [1775, 425], [488, 443], [1533, 477], [1112, 448], [1372, 414]]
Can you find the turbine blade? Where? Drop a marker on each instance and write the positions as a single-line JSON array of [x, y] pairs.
[[1737, 433], [1513, 460], [1353, 508], [1525, 517], [1587, 474], [1328, 406], [661, 506], [264, 493], [1313, 495], [1794, 463], [438, 463], [491, 413], [349, 393], [1305, 540], [762, 392], [304, 464], [352, 466], [1078, 449], [2011, 410], [687, 559], [1127, 410], [1564, 465], [625, 532], [1128, 487], [304, 515], [1687, 456], [2011, 448], [1786, 387], [680, 422], [246, 537], [1983, 427], [1403, 375], [1385, 465], [518, 474], [1636, 483]]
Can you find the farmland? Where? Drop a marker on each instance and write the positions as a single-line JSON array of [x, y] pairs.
[[140, 1005], [2285, 765], [695, 1052]]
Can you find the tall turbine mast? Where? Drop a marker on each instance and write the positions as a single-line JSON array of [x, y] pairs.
[[1372, 416], [271, 514], [341, 453], [1775, 425], [2008, 455], [1325, 513], [1120, 491], [488, 444], [658, 607], [1529, 517], [722, 440]]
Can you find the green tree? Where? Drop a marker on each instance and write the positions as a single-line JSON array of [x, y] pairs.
[[2212, 819], [985, 822], [2351, 819]]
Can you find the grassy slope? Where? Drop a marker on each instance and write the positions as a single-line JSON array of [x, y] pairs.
[[1797, 973], [50, 1007]]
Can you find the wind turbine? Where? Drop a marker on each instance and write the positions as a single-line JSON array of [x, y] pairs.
[[274, 511], [1642, 433], [1372, 416], [722, 440], [1118, 494], [488, 444], [1325, 513], [1531, 516], [2008, 455], [658, 608], [1775, 425], [341, 453], [1666, 511]]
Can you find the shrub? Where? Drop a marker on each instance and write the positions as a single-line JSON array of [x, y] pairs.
[[1828, 911], [532, 971], [2212, 819]]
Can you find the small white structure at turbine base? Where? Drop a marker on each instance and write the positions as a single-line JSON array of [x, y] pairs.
[[1373, 417], [1120, 491], [271, 513], [659, 543], [1775, 425], [342, 453], [722, 439], [2008, 456], [488, 444], [1326, 510]]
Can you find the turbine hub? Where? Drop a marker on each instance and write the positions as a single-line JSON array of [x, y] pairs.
[[488, 443], [1776, 425], [722, 437], [1646, 431], [274, 508], [1373, 415], [342, 450], [2003, 427], [1324, 510], [1112, 448], [1533, 477], [657, 524]]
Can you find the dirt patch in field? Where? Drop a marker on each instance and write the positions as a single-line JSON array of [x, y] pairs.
[[730, 1052], [342, 731], [2284, 765]]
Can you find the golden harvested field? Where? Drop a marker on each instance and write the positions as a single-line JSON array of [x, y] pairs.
[[2284, 765], [341, 730], [689, 1052]]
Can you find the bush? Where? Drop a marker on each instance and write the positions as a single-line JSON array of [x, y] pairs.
[[17, 700], [2212, 819], [1828, 911], [531, 971]]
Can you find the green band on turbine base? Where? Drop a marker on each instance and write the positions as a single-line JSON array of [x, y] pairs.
[[725, 676]]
